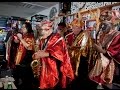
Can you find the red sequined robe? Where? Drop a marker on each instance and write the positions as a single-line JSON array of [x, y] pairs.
[[79, 46], [103, 70], [22, 51], [57, 49]]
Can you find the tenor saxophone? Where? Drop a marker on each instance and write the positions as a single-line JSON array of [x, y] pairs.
[[36, 64]]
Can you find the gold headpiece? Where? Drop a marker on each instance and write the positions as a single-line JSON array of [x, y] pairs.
[[77, 23]]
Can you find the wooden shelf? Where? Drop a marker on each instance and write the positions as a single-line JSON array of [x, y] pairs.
[[108, 6], [87, 11], [91, 20]]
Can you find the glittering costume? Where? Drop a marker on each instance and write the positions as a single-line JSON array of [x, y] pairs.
[[56, 68], [103, 70]]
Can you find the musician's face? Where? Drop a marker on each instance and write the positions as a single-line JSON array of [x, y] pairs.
[[104, 27], [38, 28], [24, 30], [45, 30], [76, 29]]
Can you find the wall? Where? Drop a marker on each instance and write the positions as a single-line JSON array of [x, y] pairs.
[[89, 5], [3, 22], [47, 11], [75, 7]]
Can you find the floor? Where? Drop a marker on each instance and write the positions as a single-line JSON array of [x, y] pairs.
[[84, 85]]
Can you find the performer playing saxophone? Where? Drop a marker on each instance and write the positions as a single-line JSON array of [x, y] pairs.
[[56, 70], [108, 49]]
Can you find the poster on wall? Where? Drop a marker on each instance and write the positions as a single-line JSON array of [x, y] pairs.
[[53, 13], [75, 6], [90, 24]]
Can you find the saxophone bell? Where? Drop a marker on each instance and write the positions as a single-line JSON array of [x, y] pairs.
[[34, 63]]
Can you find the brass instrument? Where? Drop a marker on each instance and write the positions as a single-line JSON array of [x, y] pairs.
[[36, 64]]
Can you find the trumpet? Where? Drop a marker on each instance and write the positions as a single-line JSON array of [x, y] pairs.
[[36, 64]]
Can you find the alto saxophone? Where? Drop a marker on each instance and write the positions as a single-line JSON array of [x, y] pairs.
[[36, 64]]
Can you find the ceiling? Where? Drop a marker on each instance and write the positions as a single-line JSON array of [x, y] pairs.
[[23, 9]]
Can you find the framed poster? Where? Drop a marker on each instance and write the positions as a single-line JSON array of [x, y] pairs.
[[90, 24]]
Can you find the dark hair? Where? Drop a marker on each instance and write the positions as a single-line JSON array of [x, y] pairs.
[[119, 29], [62, 24], [106, 26], [28, 27]]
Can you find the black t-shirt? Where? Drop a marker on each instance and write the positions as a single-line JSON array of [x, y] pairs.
[[8, 35]]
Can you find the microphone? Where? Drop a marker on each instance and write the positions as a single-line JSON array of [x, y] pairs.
[[93, 34], [15, 37]]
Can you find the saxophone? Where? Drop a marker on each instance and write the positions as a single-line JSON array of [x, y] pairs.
[[36, 64]]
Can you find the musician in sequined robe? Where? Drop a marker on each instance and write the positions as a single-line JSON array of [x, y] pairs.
[[56, 70], [62, 28], [79, 46], [23, 72], [108, 48]]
